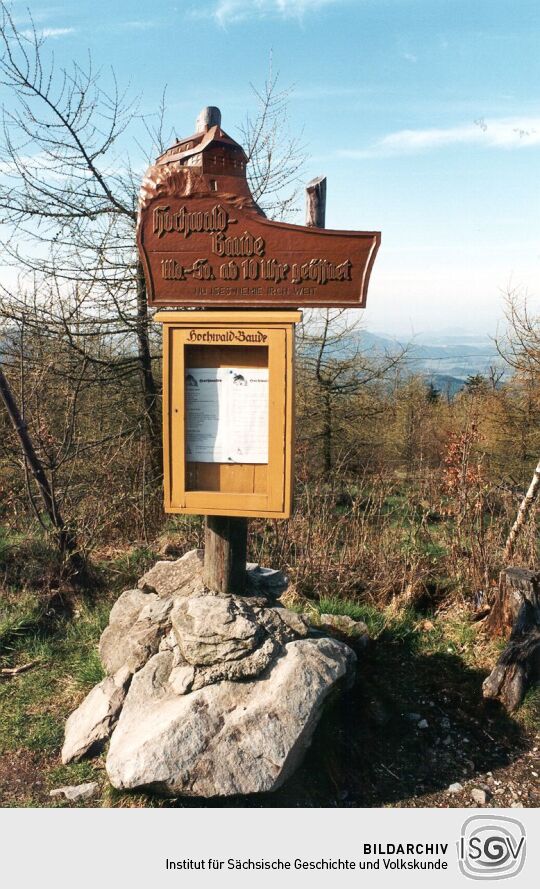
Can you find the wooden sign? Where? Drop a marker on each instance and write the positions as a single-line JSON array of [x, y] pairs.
[[204, 242], [228, 376], [228, 390]]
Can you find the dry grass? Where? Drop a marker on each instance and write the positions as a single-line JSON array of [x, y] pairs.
[[381, 540]]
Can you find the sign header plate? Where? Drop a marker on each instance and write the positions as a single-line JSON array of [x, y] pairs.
[[207, 252]]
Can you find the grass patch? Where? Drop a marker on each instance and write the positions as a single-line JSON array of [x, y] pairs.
[[123, 569], [88, 670], [397, 626], [17, 621], [28, 562], [45, 733], [35, 704], [31, 712], [372, 617], [529, 712], [75, 773]]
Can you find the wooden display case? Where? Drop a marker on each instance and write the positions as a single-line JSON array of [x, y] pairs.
[[228, 419]]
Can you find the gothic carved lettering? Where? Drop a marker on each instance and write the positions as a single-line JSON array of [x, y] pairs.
[[200, 270], [186, 222], [238, 245], [227, 336], [320, 271]]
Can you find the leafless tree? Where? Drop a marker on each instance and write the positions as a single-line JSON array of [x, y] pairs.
[[43, 472], [68, 199], [276, 156], [68, 202]]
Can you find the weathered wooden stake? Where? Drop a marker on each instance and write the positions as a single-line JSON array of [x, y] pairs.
[[316, 202], [225, 548]]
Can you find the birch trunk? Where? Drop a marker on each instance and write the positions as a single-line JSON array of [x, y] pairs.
[[522, 516]]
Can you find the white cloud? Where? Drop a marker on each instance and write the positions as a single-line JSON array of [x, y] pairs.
[[227, 12], [48, 32], [36, 15], [511, 132], [409, 57]]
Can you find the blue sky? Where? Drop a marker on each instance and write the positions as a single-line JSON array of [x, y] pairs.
[[423, 114]]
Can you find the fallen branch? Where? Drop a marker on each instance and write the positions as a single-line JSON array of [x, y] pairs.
[[390, 772], [8, 672]]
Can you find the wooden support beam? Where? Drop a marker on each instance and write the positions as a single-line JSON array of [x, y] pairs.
[[225, 548]]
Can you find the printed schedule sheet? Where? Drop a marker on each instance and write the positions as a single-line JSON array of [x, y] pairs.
[[227, 414]]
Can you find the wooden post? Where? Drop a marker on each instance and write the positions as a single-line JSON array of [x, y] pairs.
[[225, 547], [316, 202]]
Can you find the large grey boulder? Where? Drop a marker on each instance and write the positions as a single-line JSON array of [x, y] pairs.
[[344, 624], [248, 667], [128, 606], [91, 724], [283, 624], [227, 738], [270, 580], [225, 691]]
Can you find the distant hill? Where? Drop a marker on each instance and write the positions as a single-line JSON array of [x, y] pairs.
[[448, 386], [445, 360]]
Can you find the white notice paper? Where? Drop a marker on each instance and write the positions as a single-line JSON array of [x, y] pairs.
[[227, 414]]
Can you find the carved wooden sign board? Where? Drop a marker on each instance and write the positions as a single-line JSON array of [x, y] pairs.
[[204, 241]]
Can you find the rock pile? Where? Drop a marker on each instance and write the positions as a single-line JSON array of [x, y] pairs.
[[205, 694]]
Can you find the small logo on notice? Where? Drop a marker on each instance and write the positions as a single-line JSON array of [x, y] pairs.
[[491, 848]]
